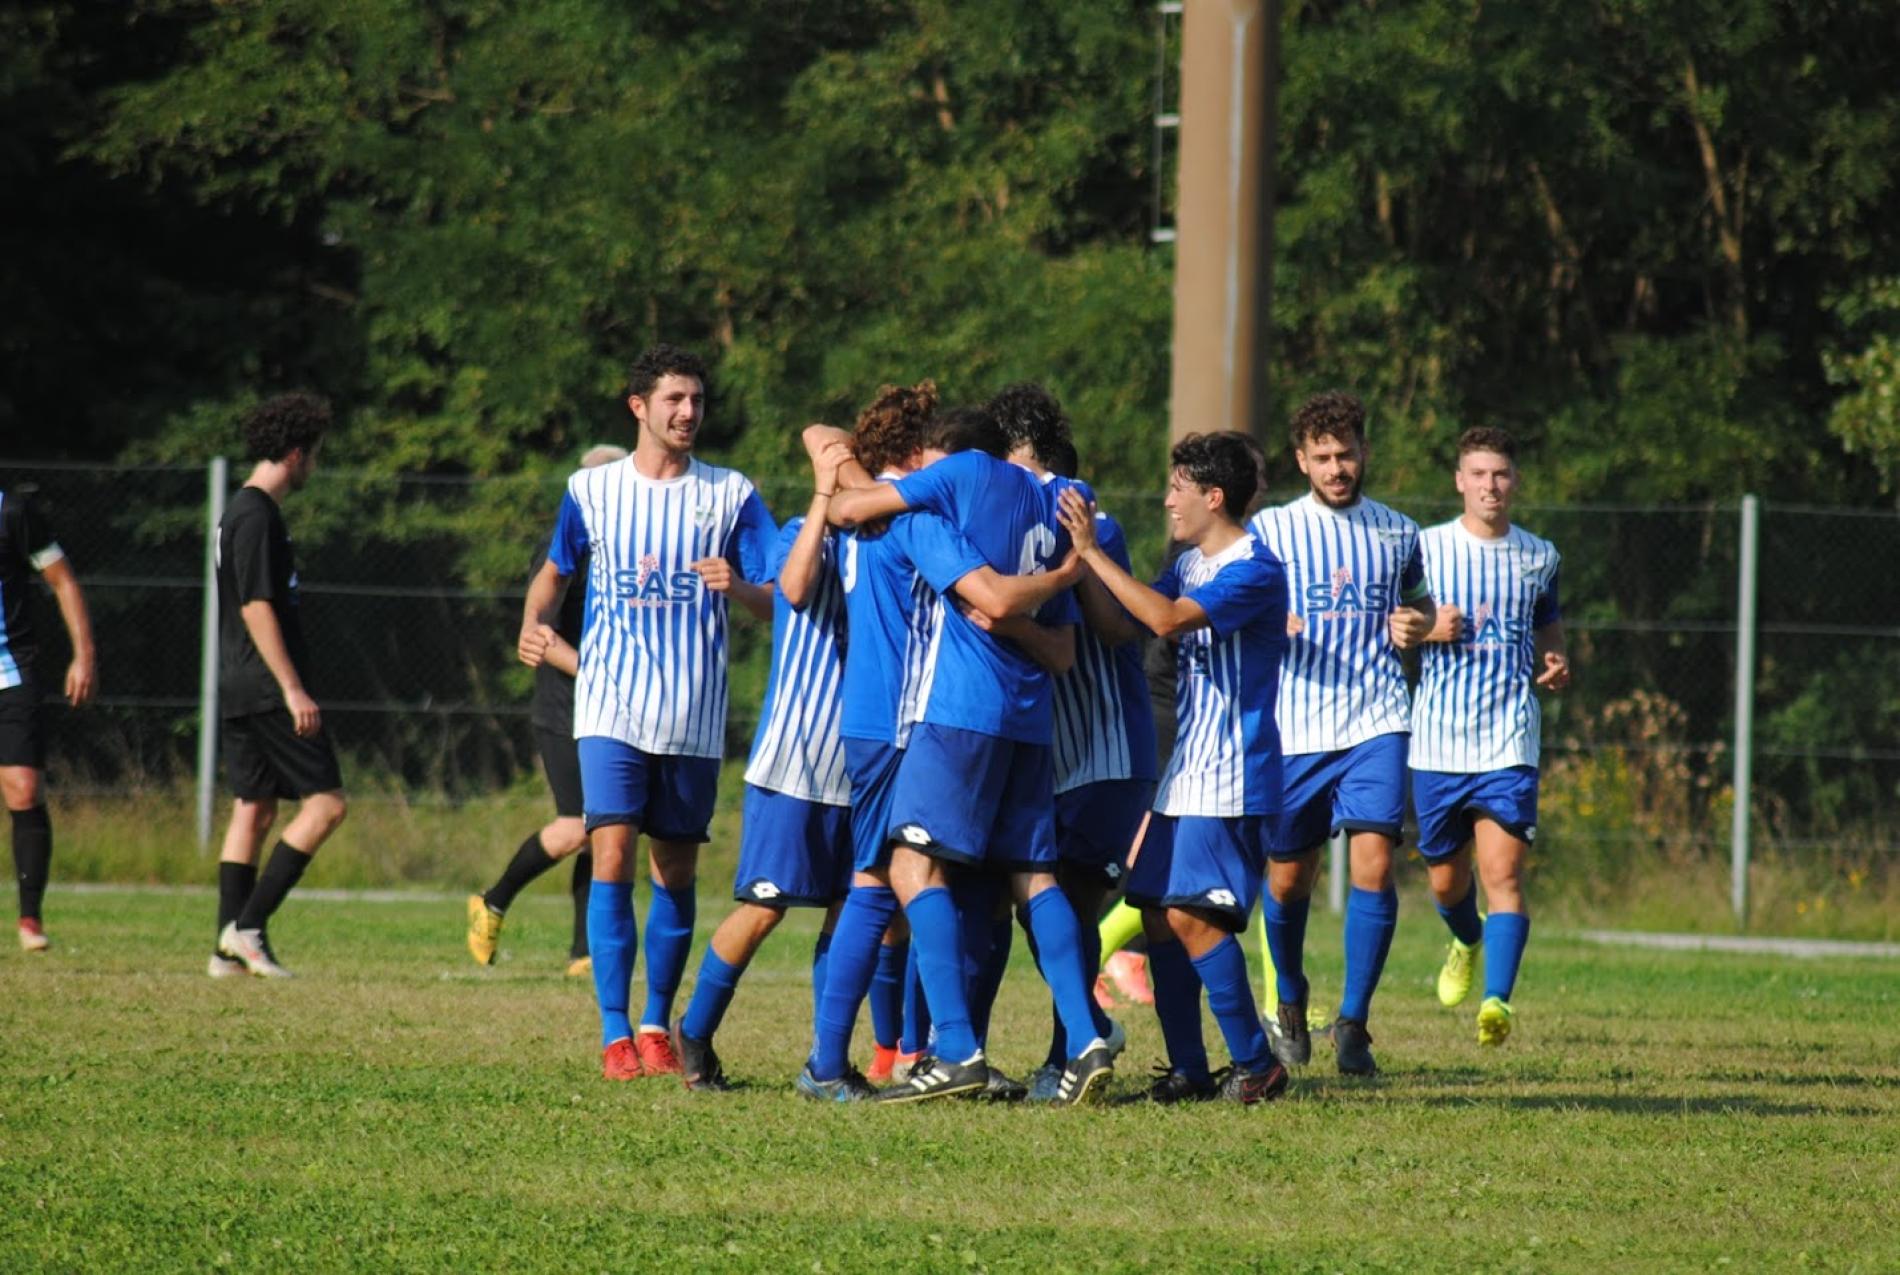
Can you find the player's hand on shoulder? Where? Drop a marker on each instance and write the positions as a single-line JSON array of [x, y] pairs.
[[79, 681], [1407, 627], [1077, 517], [826, 464], [1556, 674], [716, 572], [306, 717]]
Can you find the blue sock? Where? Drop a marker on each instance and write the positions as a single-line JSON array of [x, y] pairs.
[[669, 943], [1462, 918], [1091, 935], [611, 932], [1059, 942], [916, 1038], [1286, 939], [855, 940], [1223, 971], [935, 937], [1178, 1006], [712, 993], [887, 994], [989, 976], [820, 961], [1370, 921], [1505, 934]]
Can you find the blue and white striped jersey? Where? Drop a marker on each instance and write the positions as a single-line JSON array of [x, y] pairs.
[[1477, 708], [797, 750], [653, 640], [1346, 570], [1104, 723], [1227, 754]]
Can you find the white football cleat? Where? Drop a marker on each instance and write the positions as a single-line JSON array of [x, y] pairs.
[[253, 949]]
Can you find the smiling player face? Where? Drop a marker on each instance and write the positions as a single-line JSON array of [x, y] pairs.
[[1190, 508], [1487, 481], [670, 416], [1334, 467]]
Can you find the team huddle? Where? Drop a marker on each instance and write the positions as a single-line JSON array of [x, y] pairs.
[[957, 736]]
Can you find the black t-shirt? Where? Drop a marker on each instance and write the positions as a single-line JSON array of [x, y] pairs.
[[254, 564], [552, 708], [26, 548]]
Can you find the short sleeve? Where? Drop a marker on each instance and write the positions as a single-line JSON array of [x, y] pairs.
[[938, 551], [782, 546], [1547, 610], [1168, 583], [751, 543], [34, 534], [251, 550], [936, 487], [1242, 592], [570, 543]]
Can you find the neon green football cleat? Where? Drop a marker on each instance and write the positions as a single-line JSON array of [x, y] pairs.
[[1454, 976], [1494, 1021]]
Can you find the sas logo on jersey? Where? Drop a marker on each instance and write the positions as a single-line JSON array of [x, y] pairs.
[[650, 587], [1342, 599], [1488, 631], [1222, 898], [702, 515]]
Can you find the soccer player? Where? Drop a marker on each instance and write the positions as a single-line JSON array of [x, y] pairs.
[[668, 540], [275, 746], [551, 714], [984, 737], [1200, 866], [1498, 638], [27, 545], [1104, 738], [1356, 586], [795, 848]]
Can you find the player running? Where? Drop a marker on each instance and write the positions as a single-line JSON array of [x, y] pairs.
[[274, 742], [28, 546], [667, 540], [1475, 721], [1357, 596], [1225, 601], [551, 714]]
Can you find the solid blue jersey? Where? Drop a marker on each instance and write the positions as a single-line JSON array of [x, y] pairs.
[[1104, 721], [653, 640], [797, 750], [1227, 745], [1477, 708], [977, 682], [1346, 570], [891, 576]]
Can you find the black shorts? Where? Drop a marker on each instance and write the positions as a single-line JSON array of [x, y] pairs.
[[561, 759], [22, 742], [265, 757]]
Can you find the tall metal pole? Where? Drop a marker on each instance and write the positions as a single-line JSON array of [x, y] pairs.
[[217, 481], [1739, 827]]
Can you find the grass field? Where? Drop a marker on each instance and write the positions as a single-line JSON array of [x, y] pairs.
[[396, 1107]]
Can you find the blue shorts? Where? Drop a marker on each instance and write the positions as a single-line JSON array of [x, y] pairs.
[[971, 798], [792, 852], [871, 765], [1096, 824], [1448, 804], [1357, 789], [1212, 865], [667, 797]]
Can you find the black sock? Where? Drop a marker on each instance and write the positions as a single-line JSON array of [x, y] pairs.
[[32, 856], [530, 861], [286, 865], [235, 883], [579, 885]]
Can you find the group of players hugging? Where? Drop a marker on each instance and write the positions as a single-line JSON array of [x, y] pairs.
[[957, 734]]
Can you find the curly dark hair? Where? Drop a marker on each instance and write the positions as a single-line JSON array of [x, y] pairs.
[[969, 428], [1488, 438], [279, 426], [1334, 414], [890, 428], [1029, 413], [1223, 459], [661, 360]]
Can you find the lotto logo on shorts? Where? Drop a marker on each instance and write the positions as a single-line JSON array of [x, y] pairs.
[[1530, 833], [916, 834], [1113, 872], [1222, 899], [763, 890]]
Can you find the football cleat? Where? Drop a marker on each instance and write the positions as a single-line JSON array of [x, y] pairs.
[[1130, 972], [1085, 1080], [850, 1087], [32, 937], [620, 1061], [883, 1062], [581, 967], [1247, 1086], [907, 1063], [699, 1065], [656, 1053], [940, 1079], [1044, 1081], [1000, 1088], [222, 966], [1352, 1046], [252, 948], [1494, 1021], [1171, 1087], [484, 930], [1289, 1034], [1454, 976]]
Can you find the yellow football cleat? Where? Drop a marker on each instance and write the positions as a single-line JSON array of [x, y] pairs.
[[484, 930], [1494, 1021], [1454, 976], [580, 967]]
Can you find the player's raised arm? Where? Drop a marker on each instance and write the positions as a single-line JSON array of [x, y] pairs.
[[799, 575], [1160, 614], [999, 596], [1052, 646]]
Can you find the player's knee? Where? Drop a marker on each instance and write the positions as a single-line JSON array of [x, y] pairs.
[[563, 837], [20, 787], [329, 807], [675, 865]]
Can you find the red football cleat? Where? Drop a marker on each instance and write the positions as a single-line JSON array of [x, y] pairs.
[[882, 1061], [620, 1061], [656, 1054]]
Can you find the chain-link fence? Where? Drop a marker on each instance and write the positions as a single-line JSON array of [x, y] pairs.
[[412, 592]]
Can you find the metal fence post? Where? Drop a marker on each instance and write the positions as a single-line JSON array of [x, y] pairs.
[[217, 479], [1337, 870], [1744, 704]]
